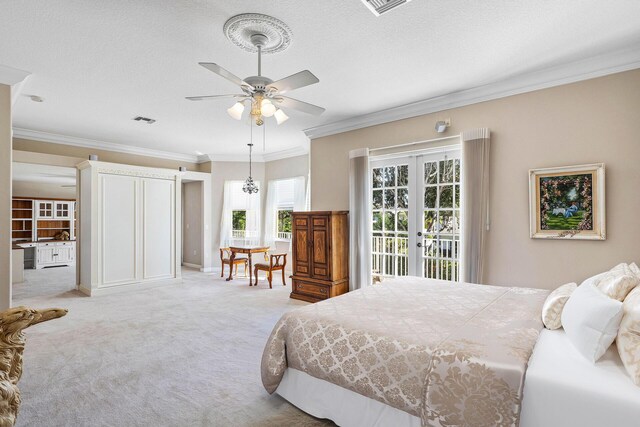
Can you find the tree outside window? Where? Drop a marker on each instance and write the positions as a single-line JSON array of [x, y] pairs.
[[239, 223], [284, 223]]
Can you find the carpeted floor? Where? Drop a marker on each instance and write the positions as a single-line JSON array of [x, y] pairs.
[[178, 355]]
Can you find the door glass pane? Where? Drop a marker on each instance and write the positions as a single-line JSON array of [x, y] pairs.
[[441, 240], [390, 201]]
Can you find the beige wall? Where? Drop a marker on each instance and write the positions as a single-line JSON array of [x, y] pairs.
[[104, 155], [192, 223], [287, 168], [41, 190], [5, 197], [591, 121]]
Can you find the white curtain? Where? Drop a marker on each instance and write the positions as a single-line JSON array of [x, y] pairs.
[[359, 219], [236, 199], [252, 203], [226, 237], [270, 217], [475, 192], [286, 192]]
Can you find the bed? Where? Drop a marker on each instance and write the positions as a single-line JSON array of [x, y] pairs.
[[414, 352]]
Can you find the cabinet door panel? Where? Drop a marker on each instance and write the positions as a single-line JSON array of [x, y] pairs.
[[159, 230], [45, 255], [301, 247], [321, 250], [118, 207]]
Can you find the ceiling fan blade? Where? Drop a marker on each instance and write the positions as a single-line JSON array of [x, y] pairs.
[[211, 97], [294, 81], [215, 68], [305, 107]]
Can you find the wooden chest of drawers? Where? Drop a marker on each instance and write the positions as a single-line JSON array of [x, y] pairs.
[[320, 255]]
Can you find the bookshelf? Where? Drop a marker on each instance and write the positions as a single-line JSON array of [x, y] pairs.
[[34, 220]]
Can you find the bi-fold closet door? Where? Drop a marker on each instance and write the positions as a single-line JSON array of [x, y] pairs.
[[136, 220]]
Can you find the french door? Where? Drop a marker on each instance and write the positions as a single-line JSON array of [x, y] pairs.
[[416, 215]]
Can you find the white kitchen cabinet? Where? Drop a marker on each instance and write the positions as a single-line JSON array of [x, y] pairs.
[[44, 209], [128, 232], [53, 254], [63, 210]]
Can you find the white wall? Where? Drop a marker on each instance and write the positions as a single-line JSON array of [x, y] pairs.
[[5, 197]]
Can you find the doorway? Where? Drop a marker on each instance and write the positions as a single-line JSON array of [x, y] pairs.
[[416, 205], [43, 230]]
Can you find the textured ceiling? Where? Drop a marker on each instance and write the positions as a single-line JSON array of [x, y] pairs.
[[43, 174], [98, 64]]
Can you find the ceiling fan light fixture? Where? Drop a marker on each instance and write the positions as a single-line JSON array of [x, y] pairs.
[[236, 110], [280, 116], [268, 109]]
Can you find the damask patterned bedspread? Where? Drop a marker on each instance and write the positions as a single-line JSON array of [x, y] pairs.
[[451, 354]]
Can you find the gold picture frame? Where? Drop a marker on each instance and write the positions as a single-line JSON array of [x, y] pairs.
[[567, 202]]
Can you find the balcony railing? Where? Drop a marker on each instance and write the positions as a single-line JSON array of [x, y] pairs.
[[391, 257], [284, 235]]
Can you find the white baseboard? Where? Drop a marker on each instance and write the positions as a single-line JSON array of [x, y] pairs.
[[188, 264], [209, 269], [129, 287]]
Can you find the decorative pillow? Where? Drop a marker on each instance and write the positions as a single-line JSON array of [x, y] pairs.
[[628, 340], [635, 269], [618, 282], [591, 320], [553, 305]]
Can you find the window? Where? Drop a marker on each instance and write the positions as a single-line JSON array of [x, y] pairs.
[[416, 215], [284, 223], [284, 196], [239, 223]]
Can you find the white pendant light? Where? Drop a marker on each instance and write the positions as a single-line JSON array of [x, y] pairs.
[[236, 110], [268, 109], [280, 116]]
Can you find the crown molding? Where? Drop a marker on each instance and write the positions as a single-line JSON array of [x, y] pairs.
[[285, 154], [589, 68], [101, 145], [10, 76], [260, 158]]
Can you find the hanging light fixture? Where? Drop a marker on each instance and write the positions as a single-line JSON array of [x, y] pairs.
[[249, 186], [280, 116], [236, 110]]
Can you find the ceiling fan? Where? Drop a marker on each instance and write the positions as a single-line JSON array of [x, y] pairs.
[[266, 96]]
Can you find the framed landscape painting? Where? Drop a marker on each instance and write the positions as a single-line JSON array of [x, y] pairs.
[[567, 202]]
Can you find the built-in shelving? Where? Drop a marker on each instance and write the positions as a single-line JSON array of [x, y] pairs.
[[31, 221]]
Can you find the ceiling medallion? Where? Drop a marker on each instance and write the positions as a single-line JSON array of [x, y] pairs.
[[240, 28]]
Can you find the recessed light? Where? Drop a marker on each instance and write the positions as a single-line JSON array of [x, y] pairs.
[[146, 120]]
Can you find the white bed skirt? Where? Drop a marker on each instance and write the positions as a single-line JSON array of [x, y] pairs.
[[346, 408], [561, 389]]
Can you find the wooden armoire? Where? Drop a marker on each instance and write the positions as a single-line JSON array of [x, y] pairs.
[[320, 255]]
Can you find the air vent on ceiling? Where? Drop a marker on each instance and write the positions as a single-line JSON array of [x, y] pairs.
[[146, 120], [378, 7]]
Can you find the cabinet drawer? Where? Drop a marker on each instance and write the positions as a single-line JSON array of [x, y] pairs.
[[313, 289]]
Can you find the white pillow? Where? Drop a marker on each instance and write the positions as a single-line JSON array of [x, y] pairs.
[[591, 320], [635, 269], [553, 305], [618, 282]]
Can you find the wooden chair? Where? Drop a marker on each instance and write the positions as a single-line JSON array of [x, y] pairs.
[[225, 258], [276, 262]]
